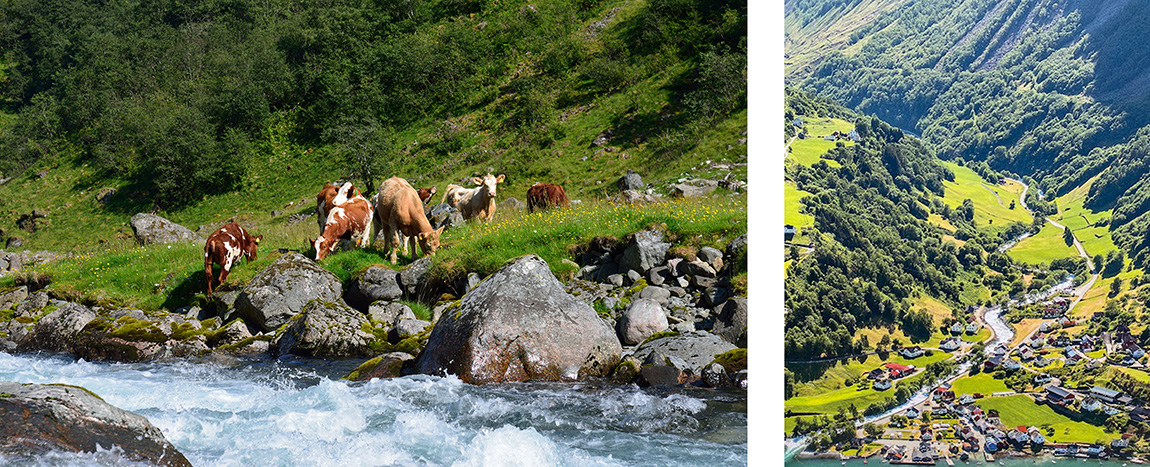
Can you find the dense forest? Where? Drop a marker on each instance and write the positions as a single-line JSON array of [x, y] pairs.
[[1052, 89], [873, 249], [171, 95]]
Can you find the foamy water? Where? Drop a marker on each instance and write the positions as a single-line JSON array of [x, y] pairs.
[[298, 413]]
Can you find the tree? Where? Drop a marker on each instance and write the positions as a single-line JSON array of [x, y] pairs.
[[365, 146], [1116, 287], [872, 430], [1068, 236]]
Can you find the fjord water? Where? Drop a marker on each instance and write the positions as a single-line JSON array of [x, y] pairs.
[[296, 412]]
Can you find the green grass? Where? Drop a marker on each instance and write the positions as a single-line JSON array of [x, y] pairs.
[[982, 383], [832, 379], [163, 276], [981, 336], [791, 205], [861, 395], [1021, 410], [1095, 239], [1042, 248], [551, 234], [988, 210]]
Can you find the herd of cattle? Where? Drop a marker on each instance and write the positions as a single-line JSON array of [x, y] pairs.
[[398, 208]]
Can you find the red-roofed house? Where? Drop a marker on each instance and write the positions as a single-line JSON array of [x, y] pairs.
[[898, 371]]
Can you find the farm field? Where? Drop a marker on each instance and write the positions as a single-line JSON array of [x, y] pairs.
[[1095, 299], [1021, 410], [989, 210], [1071, 213], [791, 205], [1042, 248], [809, 151], [982, 383]]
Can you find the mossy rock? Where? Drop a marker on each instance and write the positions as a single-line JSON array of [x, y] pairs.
[[637, 287], [626, 372], [733, 361], [659, 335]]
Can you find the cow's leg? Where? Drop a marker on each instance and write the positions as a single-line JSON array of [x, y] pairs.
[[392, 243], [208, 271], [414, 248], [224, 275]]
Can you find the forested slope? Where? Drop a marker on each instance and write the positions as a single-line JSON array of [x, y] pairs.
[[1057, 90]]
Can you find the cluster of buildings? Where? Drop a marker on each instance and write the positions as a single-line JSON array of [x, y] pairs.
[[888, 372]]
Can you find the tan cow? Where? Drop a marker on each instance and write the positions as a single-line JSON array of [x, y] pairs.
[[351, 220], [399, 211], [226, 246], [474, 202], [331, 196]]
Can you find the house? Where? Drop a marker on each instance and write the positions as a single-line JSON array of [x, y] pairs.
[[876, 374], [798, 121], [991, 445], [1060, 341], [913, 351], [881, 385], [972, 328], [1067, 322], [898, 371], [912, 413], [854, 135], [1140, 414], [1045, 327], [1037, 342], [1036, 435], [941, 412], [1058, 395], [788, 232], [950, 344], [1125, 400], [1123, 442], [1042, 378], [1094, 450], [1011, 364], [966, 399], [1104, 394], [1136, 351], [1019, 435], [1041, 362], [992, 362], [1090, 404], [956, 328], [943, 394], [1026, 353]]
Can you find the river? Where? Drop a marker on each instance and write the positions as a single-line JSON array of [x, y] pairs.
[[297, 412]]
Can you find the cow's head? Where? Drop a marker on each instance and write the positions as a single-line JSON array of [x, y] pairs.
[[253, 247], [323, 247], [488, 183], [429, 241]]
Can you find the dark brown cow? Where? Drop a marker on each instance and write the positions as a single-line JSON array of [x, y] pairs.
[[225, 246], [425, 194], [545, 195], [331, 196]]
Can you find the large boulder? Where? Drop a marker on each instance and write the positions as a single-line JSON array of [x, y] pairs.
[[693, 188], [731, 324], [646, 250], [134, 336], [413, 277], [151, 229], [444, 215], [374, 283], [519, 324], [643, 318], [43, 418], [326, 329], [282, 290], [691, 351], [56, 331]]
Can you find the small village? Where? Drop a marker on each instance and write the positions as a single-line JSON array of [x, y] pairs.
[[960, 425]]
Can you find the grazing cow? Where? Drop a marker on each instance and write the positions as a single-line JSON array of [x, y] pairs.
[[225, 247], [350, 220], [425, 194], [474, 202], [331, 196], [545, 195], [399, 211]]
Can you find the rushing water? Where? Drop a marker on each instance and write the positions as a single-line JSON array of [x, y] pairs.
[[283, 412]]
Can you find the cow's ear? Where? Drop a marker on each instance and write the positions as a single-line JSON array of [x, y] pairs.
[[257, 238], [499, 179], [477, 180], [433, 190], [439, 231]]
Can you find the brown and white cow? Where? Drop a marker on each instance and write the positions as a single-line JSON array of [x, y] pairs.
[[399, 210], [226, 246], [545, 195], [425, 194], [350, 220], [474, 202], [331, 196]]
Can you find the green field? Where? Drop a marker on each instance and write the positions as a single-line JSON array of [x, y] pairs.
[[791, 205], [1095, 239], [1095, 299], [1042, 248], [809, 151], [1021, 410], [988, 210], [982, 383], [827, 393]]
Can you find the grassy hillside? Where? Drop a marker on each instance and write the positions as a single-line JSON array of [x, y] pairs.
[[1090, 226], [1043, 247], [991, 202], [576, 95]]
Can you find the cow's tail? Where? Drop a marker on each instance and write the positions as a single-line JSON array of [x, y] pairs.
[[208, 267]]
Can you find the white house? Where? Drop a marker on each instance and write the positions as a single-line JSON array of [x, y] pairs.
[[1091, 404], [1011, 364], [881, 385], [949, 344], [972, 328], [913, 351]]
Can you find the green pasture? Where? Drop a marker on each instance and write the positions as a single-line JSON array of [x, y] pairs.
[[1043, 247], [988, 209], [981, 383], [1022, 410], [1072, 213]]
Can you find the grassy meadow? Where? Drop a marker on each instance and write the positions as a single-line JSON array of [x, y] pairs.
[[991, 202], [810, 151], [169, 276], [827, 394], [1043, 247], [981, 383], [1095, 239], [1022, 410]]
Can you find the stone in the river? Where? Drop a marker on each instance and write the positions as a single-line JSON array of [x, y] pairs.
[[389, 365], [56, 331], [282, 290], [643, 318], [520, 324], [39, 418], [325, 329], [697, 349]]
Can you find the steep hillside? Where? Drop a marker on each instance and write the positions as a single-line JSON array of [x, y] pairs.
[[1052, 89], [241, 110]]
